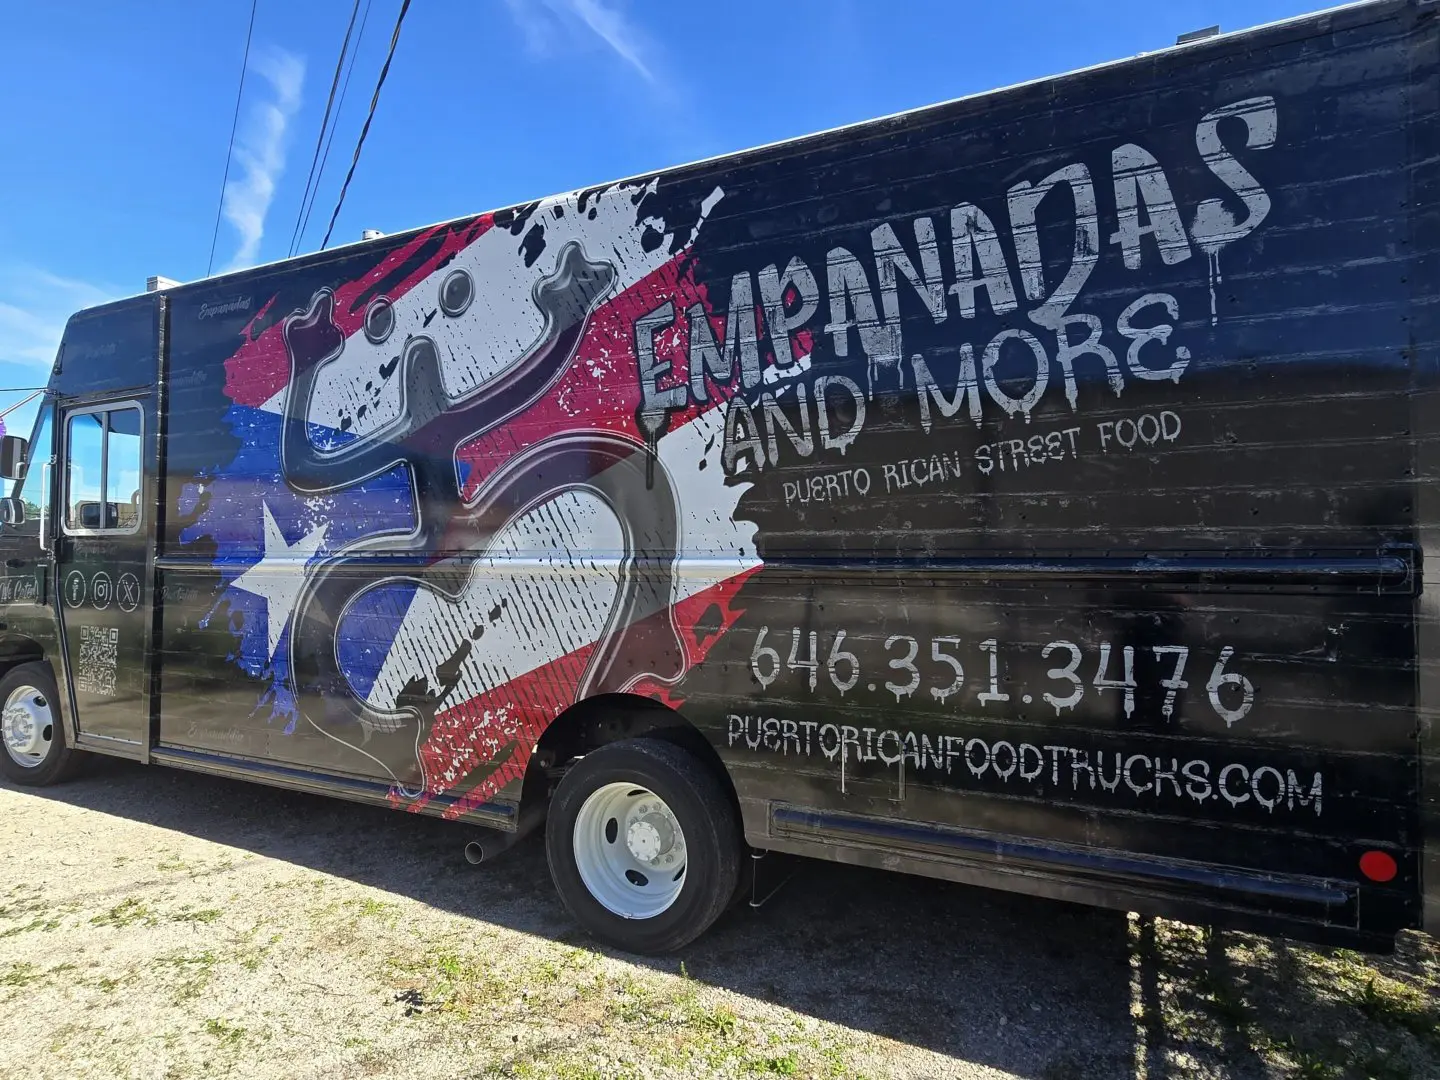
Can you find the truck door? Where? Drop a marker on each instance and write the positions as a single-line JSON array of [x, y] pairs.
[[101, 571]]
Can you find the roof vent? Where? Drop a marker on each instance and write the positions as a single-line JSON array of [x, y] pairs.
[[371, 234], [1198, 35]]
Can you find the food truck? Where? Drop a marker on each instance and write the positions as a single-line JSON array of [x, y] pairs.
[[1034, 490]]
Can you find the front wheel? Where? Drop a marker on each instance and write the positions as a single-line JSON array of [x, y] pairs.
[[644, 845], [35, 752]]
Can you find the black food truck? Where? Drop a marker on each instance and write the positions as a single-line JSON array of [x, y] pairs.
[[1035, 491]]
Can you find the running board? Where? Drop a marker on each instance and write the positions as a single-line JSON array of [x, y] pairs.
[[1122, 874], [357, 789]]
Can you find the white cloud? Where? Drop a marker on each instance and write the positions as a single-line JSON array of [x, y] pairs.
[[260, 151], [611, 27], [542, 20], [535, 23], [34, 306]]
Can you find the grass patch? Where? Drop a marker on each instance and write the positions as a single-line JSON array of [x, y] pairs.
[[635, 1003], [20, 975], [227, 1033], [193, 972], [220, 867], [377, 909], [1305, 1012], [447, 981], [24, 974], [464, 980], [25, 905], [251, 959], [126, 913], [783, 1065], [1393, 1003], [541, 1063], [249, 953], [717, 1022], [203, 915], [688, 1028], [38, 923]]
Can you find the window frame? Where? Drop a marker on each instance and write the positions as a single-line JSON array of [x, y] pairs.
[[89, 410], [36, 456]]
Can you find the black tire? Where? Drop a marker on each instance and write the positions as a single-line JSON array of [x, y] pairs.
[[60, 760], [706, 816]]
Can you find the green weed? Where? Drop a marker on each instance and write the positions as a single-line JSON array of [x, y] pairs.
[[126, 913]]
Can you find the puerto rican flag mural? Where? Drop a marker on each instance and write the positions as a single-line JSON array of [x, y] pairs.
[[449, 518]]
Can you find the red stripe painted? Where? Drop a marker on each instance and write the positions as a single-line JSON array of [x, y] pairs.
[[260, 368], [601, 388], [689, 614], [469, 737]]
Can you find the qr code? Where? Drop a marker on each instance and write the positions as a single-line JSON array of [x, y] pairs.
[[95, 672]]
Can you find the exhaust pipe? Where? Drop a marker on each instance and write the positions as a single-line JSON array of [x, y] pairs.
[[494, 842], [475, 853]]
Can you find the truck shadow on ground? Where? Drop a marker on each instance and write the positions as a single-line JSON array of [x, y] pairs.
[[1034, 987]]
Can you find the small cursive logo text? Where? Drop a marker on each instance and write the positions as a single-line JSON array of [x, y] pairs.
[[210, 310]]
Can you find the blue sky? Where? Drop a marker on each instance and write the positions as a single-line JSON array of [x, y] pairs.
[[120, 113]]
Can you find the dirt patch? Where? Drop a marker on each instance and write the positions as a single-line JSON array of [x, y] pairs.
[[155, 924]]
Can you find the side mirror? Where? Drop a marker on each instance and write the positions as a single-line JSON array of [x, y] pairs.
[[12, 511], [13, 451]]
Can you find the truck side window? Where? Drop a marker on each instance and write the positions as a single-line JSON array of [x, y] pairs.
[[102, 469], [122, 472], [84, 457]]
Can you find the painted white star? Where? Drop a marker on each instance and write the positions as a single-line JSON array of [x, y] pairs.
[[280, 574]]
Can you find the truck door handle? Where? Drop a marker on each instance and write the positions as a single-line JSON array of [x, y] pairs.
[[43, 533], [14, 562]]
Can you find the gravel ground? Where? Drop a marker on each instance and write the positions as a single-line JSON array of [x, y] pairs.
[[159, 924]]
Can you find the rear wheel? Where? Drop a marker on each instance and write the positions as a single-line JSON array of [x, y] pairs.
[[644, 845], [35, 752]]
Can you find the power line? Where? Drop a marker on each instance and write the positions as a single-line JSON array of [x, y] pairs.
[[324, 123], [229, 150], [374, 100], [339, 110]]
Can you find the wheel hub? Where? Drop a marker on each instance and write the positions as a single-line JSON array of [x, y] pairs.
[[27, 726], [650, 837], [630, 850]]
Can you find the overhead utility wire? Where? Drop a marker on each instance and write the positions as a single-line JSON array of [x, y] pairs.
[[324, 123], [339, 111], [229, 150], [374, 100]]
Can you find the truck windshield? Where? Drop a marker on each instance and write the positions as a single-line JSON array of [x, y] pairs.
[[28, 489]]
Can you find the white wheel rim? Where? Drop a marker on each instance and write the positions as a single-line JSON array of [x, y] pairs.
[[28, 726], [630, 851]]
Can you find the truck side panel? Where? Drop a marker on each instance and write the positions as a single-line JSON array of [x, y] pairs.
[[1424, 241], [1024, 482]]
